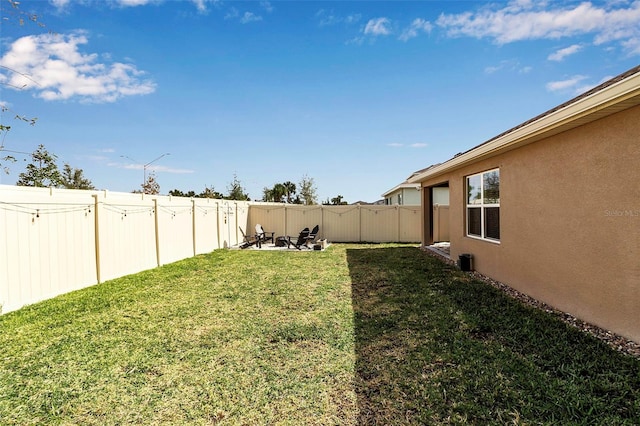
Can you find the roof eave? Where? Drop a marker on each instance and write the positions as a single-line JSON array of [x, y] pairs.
[[403, 185]]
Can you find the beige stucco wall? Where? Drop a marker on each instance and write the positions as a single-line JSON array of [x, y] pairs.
[[570, 221]]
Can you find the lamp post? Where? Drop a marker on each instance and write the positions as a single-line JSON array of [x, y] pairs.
[[144, 167]]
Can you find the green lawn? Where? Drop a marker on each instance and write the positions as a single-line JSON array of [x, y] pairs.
[[357, 334]]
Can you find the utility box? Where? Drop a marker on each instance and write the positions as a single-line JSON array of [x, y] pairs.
[[465, 262]]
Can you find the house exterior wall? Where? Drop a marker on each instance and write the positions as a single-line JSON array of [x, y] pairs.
[[569, 221], [409, 196]]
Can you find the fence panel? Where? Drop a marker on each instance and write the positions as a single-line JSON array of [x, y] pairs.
[[127, 234], [409, 224], [270, 215], [47, 245], [175, 228], [379, 224], [440, 222], [341, 223], [300, 217], [206, 225]]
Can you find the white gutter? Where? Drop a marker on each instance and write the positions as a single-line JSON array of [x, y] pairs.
[[579, 112]]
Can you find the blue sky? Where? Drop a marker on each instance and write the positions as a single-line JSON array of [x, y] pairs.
[[356, 95]]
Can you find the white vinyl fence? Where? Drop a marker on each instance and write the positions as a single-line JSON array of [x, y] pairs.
[[53, 241], [352, 223]]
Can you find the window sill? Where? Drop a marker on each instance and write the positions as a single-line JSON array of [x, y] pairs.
[[488, 240]]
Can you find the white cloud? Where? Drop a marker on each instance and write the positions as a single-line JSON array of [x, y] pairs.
[[60, 4], [153, 168], [632, 45], [525, 20], [570, 84], [99, 158], [53, 67], [250, 17], [492, 69], [418, 25], [232, 13], [357, 41], [166, 169], [200, 5], [413, 145], [377, 27], [559, 55], [266, 5], [508, 65], [133, 2], [328, 18], [352, 19], [575, 85]]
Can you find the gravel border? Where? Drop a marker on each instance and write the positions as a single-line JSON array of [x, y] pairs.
[[615, 341]]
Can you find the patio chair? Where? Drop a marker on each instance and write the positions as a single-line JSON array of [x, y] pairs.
[[312, 235], [301, 241], [264, 236], [248, 240]]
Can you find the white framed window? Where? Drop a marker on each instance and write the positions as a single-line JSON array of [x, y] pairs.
[[483, 205]]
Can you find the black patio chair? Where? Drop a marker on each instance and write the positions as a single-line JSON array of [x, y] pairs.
[[264, 236], [301, 241], [312, 235], [248, 240]]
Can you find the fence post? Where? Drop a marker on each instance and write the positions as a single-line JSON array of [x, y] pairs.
[[284, 220], [323, 230], [235, 213], [218, 223], [193, 222], [96, 226], [398, 227], [157, 220], [359, 224]]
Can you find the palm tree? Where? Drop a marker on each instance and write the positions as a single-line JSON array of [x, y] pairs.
[[278, 192], [290, 190]]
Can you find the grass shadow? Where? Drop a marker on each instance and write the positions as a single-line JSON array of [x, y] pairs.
[[435, 346]]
